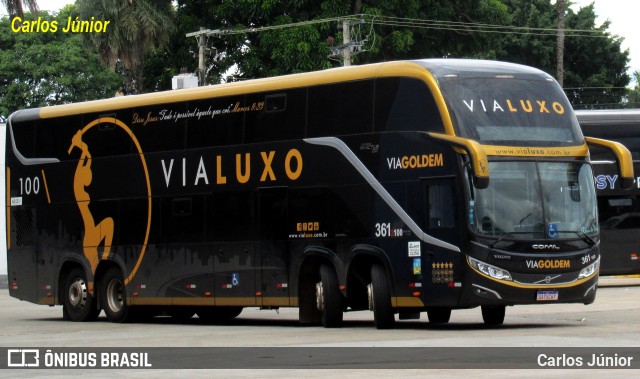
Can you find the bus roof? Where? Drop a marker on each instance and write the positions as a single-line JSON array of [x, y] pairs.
[[471, 68], [438, 68]]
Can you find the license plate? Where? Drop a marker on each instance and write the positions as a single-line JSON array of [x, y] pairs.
[[547, 296]]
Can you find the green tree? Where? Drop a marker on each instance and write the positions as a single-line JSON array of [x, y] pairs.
[[307, 47], [399, 29], [594, 64], [137, 27], [39, 69], [16, 7], [633, 96]]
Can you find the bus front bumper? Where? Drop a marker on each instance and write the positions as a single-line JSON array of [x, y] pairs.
[[491, 285]]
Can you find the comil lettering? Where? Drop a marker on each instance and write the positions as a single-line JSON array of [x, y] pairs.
[[243, 163], [415, 161], [514, 106]]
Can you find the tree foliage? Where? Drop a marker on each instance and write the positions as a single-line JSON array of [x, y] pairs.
[[307, 47], [38, 69], [400, 29], [148, 44], [136, 27], [594, 64], [16, 7]]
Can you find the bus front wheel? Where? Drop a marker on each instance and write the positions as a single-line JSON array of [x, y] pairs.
[[493, 315], [113, 296], [379, 293], [79, 304], [328, 297]]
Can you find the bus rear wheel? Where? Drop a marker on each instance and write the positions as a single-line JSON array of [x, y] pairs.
[[379, 293], [493, 314], [328, 297], [113, 296], [79, 304]]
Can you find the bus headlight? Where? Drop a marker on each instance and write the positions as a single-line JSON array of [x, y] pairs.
[[489, 270], [589, 270]]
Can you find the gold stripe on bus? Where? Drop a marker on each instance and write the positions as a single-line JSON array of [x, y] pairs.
[[275, 301], [46, 187], [346, 74], [537, 285], [8, 206], [46, 301], [406, 301], [531, 151], [212, 301]]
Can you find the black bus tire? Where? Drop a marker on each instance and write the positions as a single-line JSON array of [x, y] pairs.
[[328, 297], [493, 315], [113, 296], [439, 315], [380, 298], [78, 304]]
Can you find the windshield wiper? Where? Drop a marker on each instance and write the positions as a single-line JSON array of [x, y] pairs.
[[524, 218], [582, 235], [585, 237], [499, 239], [512, 234]]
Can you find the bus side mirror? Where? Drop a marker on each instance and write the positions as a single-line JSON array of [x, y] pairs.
[[623, 158], [479, 162]]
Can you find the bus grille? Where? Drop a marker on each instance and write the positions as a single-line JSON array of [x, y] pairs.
[[23, 220]]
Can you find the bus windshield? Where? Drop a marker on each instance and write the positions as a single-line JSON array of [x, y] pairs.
[[536, 200], [511, 112]]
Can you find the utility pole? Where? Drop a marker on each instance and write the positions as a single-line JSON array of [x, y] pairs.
[[202, 46], [346, 40], [348, 48], [560, 9], [201, 37]]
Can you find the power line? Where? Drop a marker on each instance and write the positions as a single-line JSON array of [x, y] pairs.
[[458, 26]]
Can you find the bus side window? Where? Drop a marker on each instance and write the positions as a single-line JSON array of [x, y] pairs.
[[340, 109], [403, 104], [276, 116], [440, 210]]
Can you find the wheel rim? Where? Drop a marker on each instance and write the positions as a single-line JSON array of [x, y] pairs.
[[370, 296], [115, 299], [78, 293], [319, 296]]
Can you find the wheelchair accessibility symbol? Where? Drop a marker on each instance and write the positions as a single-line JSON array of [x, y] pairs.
[[552, 231], [235, 279]]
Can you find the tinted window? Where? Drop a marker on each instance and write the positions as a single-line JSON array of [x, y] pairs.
[[339, 109], [281, 116], [511, 112], [214, 122], [404, 104], [160, 127], [229, 216]]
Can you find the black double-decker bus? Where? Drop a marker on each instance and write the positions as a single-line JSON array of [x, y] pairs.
[[619, 209], [399, 187]]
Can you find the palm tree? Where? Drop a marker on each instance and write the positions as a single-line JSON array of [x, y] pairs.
[[136, 26], [16, 7]]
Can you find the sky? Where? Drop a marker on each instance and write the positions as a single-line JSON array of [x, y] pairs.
[[620, 12]]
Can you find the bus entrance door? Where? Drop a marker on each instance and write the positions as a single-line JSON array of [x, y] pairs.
[[272, 247]]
